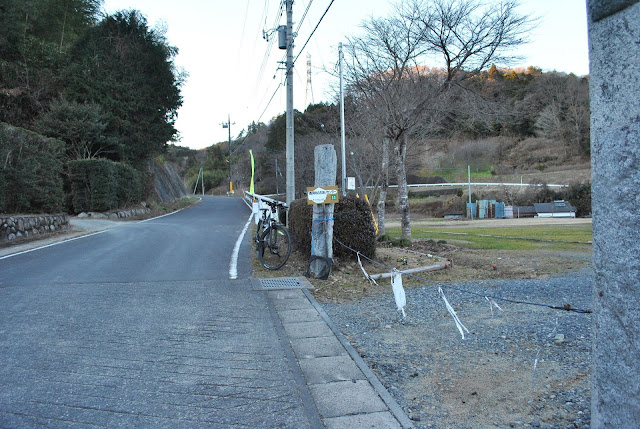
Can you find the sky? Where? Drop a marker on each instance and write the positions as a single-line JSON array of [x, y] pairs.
[[234, 72]]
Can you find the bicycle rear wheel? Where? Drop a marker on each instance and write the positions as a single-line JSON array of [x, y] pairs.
[[276, 247]]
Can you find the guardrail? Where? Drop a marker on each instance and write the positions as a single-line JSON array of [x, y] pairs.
[[446, 185], [255, 202], [251, 198]]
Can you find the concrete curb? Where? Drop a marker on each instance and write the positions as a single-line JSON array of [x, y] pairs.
[[395, 409]]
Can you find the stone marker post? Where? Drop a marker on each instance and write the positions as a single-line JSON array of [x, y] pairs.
[[326, 165], [614, 51]]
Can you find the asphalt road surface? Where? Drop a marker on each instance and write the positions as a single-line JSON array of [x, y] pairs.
[[140, 326]]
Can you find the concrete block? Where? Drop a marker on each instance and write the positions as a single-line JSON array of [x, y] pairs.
[[291, 304], [306, 348], [345, 398], [369, 420], [307, 330], [286, 294], [298, 316], [330, 369]]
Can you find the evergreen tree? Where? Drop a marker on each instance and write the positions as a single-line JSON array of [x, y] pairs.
[[128, 69]]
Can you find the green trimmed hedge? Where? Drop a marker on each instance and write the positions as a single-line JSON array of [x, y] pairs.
[[101, 185], [30, 172]]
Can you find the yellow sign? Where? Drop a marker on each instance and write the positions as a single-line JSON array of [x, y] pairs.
[[322, 195]]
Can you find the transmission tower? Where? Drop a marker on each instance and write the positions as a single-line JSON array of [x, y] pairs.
[[309, 85]]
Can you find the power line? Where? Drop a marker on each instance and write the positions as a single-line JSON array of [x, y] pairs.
[[270, 42], [259, 118], [304, 16], [314, 30]]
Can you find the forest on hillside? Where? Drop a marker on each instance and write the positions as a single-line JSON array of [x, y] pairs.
[[424, 91], [103, 86], [543, 123]]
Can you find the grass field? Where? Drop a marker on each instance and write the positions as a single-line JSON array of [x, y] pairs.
[[557, 237]]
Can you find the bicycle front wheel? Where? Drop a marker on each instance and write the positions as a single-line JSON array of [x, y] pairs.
[[276, 247]]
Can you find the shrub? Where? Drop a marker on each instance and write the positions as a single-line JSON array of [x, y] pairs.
[[31, 172], [100, 185], [579, 194], [212, 179], [353, 226], [103, 181], [129, 189]]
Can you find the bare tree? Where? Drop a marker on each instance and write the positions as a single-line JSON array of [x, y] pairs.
[[387, 66], [384, 76]]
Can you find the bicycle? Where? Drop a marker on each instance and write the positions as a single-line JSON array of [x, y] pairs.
[[273, 242]]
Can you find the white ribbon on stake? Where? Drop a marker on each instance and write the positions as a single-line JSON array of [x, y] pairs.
[[451, 311], [371, 281], [492, 303], [398, 292]]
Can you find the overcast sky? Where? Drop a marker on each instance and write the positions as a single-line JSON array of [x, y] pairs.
[[231, 70]]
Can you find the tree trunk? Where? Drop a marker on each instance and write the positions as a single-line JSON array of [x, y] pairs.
[[403, 190], [381, 206]]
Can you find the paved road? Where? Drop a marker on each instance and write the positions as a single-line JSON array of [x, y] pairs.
[[140, 326]]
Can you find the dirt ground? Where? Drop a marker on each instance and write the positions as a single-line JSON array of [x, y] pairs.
[[438, 386], [347, 280]]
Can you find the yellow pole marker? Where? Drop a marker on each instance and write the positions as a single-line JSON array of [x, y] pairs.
[[375, 224], [252, 171]]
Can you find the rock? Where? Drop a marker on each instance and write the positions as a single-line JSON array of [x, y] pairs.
[[83, 215], [11, 237], [559, 339], [113, 216]]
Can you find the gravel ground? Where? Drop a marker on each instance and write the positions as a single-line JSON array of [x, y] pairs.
[[525, 366]]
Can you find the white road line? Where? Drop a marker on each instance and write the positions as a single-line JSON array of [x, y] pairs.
[[53, 244], [233, 266], [84, 236]]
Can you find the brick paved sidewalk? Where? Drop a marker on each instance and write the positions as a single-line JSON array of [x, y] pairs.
[[211, 354], [179, 354]]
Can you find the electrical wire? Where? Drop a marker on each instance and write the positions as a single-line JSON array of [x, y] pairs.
[[280, 85], [270, 43], [566, 307], [304, 15], [314, 30]]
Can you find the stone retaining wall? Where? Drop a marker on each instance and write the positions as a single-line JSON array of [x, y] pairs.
[[119, 214], [13, 227]]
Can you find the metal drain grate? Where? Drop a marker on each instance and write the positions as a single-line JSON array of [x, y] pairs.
[[277, 283]]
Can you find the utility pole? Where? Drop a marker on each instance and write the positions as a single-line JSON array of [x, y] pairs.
[[291, 178], [228, 126], [342, 139]]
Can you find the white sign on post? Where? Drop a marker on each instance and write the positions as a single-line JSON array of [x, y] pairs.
[[351, 183]]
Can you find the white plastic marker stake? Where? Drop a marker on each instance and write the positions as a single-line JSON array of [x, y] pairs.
[[398, 292], [535, 367], [451, 311], [371, 281], [492, 303]]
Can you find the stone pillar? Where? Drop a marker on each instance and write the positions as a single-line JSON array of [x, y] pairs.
[[326, 166], [614, 50]]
